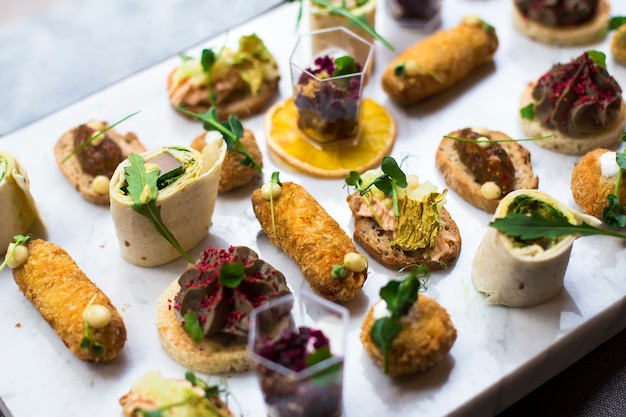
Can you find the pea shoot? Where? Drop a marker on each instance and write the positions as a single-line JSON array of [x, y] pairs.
[[389, 181], [399, 296], [88, 343], [18, 240], [232, 131], [614, 214]]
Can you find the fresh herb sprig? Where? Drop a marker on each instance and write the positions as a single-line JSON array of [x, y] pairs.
[[528, 112], [232, 274], [614, 214], [192, 326], [535, 226], [399, 296], [616, 21], [87, 342], [598, 58], [97, 135], [17, 241], [275, 181], [389, 181], [232, 131], [358, 21], [355, 180], [142, 188]]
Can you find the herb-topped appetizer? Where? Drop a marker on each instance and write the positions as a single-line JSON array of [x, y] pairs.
[[162, 201], [522, 259], [407, 332], [203, 316], [77, 310], [89, 153], [237, 82], [19, 213], [400, 221], [155, 396], [438, 62], [562, 22], [598, 185], [483, 165], [243, 161], [578, 104], [294, 221]]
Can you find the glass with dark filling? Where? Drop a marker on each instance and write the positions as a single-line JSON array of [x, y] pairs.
[[300, 366], [327, 74], [420, 14]]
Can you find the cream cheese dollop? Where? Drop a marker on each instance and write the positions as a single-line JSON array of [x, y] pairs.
[[608, 164]]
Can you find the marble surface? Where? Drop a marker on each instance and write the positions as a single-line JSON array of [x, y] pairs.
[[501, 354]]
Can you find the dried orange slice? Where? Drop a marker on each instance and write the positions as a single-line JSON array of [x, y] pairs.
[[286, 143]]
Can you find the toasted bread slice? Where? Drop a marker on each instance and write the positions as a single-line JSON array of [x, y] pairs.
[[592, 31], [377, 242], [571, 145], [240, 104], [234, 173], [462, 181], [590, 188], [72, 170]]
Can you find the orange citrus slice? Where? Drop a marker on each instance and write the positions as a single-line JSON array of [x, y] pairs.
[[285, 141]]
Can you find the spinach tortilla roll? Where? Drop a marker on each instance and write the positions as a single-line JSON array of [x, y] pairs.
[[18, 212], [186, 200], [519, 273], [440, 61], [69, 301], [312, 238]]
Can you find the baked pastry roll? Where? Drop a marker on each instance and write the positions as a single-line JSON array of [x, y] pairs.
[[520, 273], [18, 212], [186, 201]]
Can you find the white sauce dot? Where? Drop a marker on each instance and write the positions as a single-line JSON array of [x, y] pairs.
[[19, 257], [483, 142], [411, 68], [608, 164], [97, 316], [380, 310], [355, 261], [271, 188], [490, 190], [483, 131], [100, 184]]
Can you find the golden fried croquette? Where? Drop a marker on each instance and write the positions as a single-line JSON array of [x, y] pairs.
[[235, 174], [590, 188], [426, 337], [60, 291], [312, 238]]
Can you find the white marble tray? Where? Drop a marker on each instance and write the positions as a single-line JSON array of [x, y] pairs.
[[501, 353]]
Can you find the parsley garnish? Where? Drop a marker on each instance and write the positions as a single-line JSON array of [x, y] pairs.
[[528, 112], [231, 130], [358, 21], [142, 187], [98, 134], [399, 296]]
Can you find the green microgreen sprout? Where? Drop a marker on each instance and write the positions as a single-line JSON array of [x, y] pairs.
[[344, 65], [614, 214], [598, 58], [616, 21], [399, 296], [341, 270], [341, 10], [232, 274], [400, 70], [142, 187], [528, 112], [275, 181], [354, 179], [389, 181], [192, 326], [88, 343], [95, 136], [17, 241], [232, 131]]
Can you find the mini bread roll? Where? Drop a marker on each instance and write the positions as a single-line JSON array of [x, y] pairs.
[[61, 292], [438, 62], [593, 179]]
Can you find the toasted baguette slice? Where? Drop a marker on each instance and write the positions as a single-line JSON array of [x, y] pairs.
[[241, 104], [590, 188], [234, 174], [71, 169], [462, 181], [205, 356], [377, 242], [592, 31], [571, 145]]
